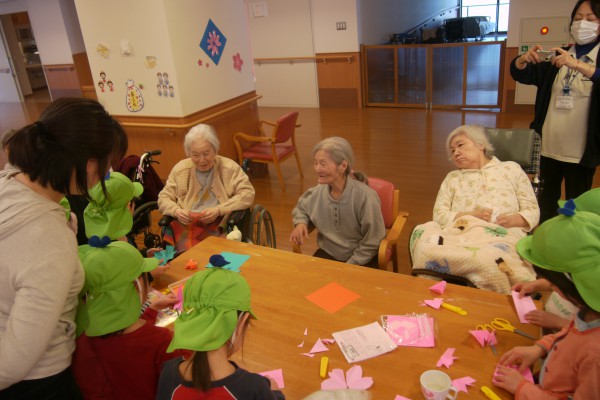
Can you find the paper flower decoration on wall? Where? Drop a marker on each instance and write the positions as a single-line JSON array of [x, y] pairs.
[[237, 62], [213, 42]]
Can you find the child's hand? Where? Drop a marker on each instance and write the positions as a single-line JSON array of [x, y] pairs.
[[159, 271], [507, 379], [546, 319], [523, 356], [168, 300], [527, 288], [152, 251]]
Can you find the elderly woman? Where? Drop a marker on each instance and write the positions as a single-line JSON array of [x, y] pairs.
[[343, 208], [480, 213], [203, 189]]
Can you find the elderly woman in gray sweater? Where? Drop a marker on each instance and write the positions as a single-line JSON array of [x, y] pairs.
[[343, 208]]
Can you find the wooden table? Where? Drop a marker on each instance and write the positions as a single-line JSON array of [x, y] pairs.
[[280, 280]]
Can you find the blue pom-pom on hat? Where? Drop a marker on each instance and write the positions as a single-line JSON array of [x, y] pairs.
[[218, 260]]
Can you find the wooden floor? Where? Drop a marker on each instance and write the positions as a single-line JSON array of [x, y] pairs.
[[405, 146]]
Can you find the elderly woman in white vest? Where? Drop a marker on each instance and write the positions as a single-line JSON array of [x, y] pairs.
[[203, 190]]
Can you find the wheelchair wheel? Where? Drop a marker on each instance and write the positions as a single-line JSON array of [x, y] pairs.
[[145, 233], [261, 230]]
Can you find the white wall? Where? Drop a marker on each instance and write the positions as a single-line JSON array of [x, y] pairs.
[[49, 30], [171, 32], [325, 15], [534, 8], [286, 31], [380, 18], [72, 27]]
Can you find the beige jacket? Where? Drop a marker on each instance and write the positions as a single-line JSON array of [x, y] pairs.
[[230, 185]]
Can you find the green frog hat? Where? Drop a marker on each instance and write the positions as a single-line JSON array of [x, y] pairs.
[[109, 299], [212, 299], [569, 243], [110, 216], [588, 201]]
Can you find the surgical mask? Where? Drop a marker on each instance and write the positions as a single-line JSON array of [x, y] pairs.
[[584, 31]]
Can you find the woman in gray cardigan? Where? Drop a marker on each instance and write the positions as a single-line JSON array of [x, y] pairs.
[[343, 208]]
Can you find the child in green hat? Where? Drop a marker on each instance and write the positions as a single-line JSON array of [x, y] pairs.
[[566, 251], [120, 353], [216, 314]]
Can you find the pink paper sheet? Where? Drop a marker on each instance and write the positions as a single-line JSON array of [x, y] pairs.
[[318, 347], [352, 380], [276, 375], [461, 383], [439, 287], [434, 303], [523, 305], [526, 374], [404, 331]]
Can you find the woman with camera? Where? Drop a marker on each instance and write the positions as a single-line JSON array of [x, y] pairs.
[[568, 93]]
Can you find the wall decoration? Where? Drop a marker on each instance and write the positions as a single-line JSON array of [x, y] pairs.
[[213, 42], [237, 62], [150, 62], [102, 50], [159, 89], [101, 85], [126, 49], [162, 87], [199, 62], [133, 97], [103, 76], [110, 86]]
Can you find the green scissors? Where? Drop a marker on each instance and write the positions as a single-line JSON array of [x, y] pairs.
[[503, 325], [489, 328]]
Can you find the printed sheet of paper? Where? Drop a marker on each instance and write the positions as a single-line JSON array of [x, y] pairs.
[[364, 342]]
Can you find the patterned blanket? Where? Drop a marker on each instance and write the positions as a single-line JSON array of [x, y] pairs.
[[480, 251]]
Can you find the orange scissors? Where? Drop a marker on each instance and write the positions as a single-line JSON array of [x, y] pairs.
[[489, 328], [502, 324]]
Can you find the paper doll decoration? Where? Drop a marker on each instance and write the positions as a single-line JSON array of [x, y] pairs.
[[213, 42], [110, 86], [101, 86], [133, 97]]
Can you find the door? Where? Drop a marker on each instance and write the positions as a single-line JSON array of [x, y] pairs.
[[9, 90]]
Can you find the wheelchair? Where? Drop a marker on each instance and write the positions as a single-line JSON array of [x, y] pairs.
[[255, 224], [522, 146]]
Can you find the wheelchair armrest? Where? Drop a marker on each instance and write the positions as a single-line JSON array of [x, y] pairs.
[[235, 218], [165, 220]]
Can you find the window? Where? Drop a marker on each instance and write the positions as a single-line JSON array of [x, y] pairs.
[[497, 10]]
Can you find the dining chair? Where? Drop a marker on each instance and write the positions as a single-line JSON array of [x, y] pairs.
[[274, 148], [393, 219]]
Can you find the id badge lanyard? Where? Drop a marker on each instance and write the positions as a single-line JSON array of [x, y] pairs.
[[568, 81]]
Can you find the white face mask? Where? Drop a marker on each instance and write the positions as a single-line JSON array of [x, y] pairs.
[[584, 31]]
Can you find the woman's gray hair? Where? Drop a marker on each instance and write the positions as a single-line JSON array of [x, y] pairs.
[[201, 132], [339, 150], [474, 132]]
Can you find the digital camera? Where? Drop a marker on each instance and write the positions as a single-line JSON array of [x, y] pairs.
[[546, 55]]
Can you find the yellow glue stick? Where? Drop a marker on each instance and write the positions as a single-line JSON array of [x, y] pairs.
[[323, 367], [456, 309], [489, 393]]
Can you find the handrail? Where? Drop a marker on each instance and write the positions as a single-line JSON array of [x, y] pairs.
[[430, 19], [292, 59], [190, 124]]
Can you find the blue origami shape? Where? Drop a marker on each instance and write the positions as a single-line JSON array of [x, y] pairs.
[[226, 260], [213, 42], [568, 208], [165, 255], [96, 241], [218, 260]]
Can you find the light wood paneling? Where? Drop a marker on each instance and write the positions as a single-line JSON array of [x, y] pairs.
[[84, 72], [339, 80]]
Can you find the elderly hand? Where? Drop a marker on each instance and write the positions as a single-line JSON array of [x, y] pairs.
[[512, 221], [209, 215], [298, 234], [508, 379], [183, 216], [482, 213]]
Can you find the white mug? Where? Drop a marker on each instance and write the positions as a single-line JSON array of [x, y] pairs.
[[437, 385]]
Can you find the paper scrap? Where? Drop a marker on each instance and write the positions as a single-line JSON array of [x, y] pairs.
[[301, 344], [328, 341], [447, 359], [523, 305], [179, 295], [305, 331], [332, 297], [439, 287], [364, 342], [276, 375], [398, 397], [434, 303], [461, 383], [308, 355], [353, 379], [319, 347]]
